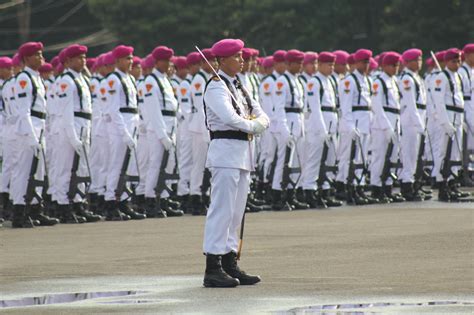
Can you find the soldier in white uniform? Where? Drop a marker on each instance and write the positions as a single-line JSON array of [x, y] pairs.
[[199, 134], [288, 116], [354, 124], [449, 107], [230, 162], [412, 119], [122, 123], [159, 115], [320, 128], [184, 140], [467, 75], [74, 120], [385, 127], [6, 75], [29, 108]]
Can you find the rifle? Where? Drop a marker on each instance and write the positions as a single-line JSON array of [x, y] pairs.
[[76, 180], [387, 166], [420, 172], [287, 170], [124, 178], [163, 176], [323, 168], [33, 183], [447, 164], [272, 167]]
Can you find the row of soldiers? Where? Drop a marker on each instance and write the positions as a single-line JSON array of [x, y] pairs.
[[107, 137]]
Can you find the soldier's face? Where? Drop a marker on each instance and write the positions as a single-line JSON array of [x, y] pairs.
[[35, 61], [454, 64], [77, 63], [233, 64], [363, 66], [391, 70], [310, 68], [6, 73], [326, 68], [125, 63], [136, 71], [340, 68], [414, 65], [295, 67]]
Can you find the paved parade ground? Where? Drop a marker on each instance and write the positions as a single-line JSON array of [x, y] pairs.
[[411, 258]]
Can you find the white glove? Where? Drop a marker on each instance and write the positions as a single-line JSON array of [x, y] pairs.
[[77, 145], [35, 145], [264, 121], [166, 142], [354, 134], [257, 127], [449, 129], [129, 141]]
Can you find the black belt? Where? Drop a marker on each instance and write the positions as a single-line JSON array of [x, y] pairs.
[[229, 134], [467, 98], [293, 110], [392, 110], [455, 109], [37, 114], [329, 109], [420, 106], [361, 108], [129, 110], [171, 113], [87, 116]]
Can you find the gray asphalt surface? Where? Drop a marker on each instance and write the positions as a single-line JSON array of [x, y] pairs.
[[399, 253]]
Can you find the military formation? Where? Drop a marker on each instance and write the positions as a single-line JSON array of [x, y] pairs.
[[121, 138]]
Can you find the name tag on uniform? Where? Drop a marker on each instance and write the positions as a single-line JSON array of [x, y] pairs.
[[61, 95], [310, 93], [184, 100], [147, 94], [437, 89], [21, 95], [198, 94]]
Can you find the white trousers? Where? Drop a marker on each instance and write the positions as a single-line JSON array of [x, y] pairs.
[[63, 165], [142, 157], [229, 189], [379, 151], [98, 159], [21, 172], [296, 159], [155, 156], [410, 146], [314, 145], [344, 154], [10, 159], [117, 152], [199, 155], [185, 158], [440, 152], [268, 145]]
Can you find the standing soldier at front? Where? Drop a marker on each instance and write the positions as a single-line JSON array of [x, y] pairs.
[[122, 121], [29, 107], [412, 119], [449, 107], [230, 160]]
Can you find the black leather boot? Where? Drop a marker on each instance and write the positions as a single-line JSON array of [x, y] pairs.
[[125, 208], [68, 215], [215, 276], [444, 194], [300, 195], [170, 212], [183, 200], [377, 193], [279, 204], [330, 201], [37, 213], [229, 264], [80, 209], [313, 200], [407, 191], [353, 197], [341, 191], [153, 209], [291, 199], [113, 213], [387, 189], [21, 219], [454, 188], [93, 202], [361, 192], [194, 205]]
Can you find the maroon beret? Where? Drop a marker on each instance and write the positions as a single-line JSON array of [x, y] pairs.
[[136, 60], [326, 56], [255, 52], [122, 51], [341, 57], [162, 53], [362, 54], [62, 55], [391, 58], [440, 55], [350, 59], [180, 63], [55, 61], [148, 62], [452, 53], [310, 57], [294, 55], [75, 50], [468, 49], [246, 53], [207, 52], [411, 54], [5, 62], [279, 56], [109, 59], [227, 47], [16, 60], [29, 49], [193, 58], [268, 62], [46, 67], [91, 62]]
